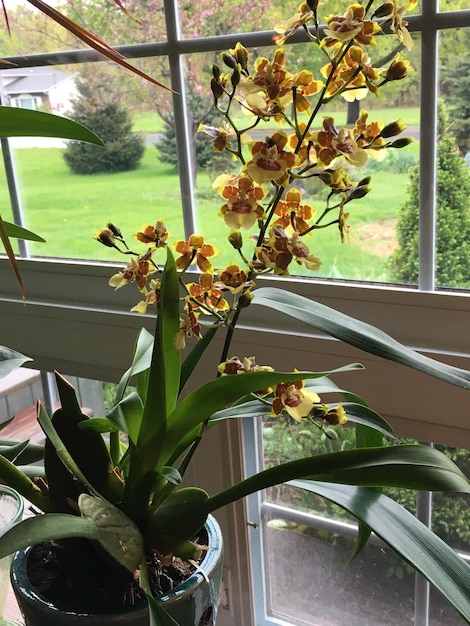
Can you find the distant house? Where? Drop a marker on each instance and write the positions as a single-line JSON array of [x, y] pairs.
[[35, 87]]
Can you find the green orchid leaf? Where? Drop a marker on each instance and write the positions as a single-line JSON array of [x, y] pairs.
[[71, 452], [12, 452], [363, 534], [357, 413], [178, 547], [61, 467], [10, 360], [140, 363], [162, 391], [33, 471], [356, 333], [99, 425], [193, 357], [164, 375], [18, 480], [211, 397], [68, 397], [180, 515], [127, 415], [406, 466], [21, 452], [158, 615], [117, 533], [18, 232], [11, 257], [49, 527], [367, 437], [362, 415], [16, 122], [408, 537], [4, 425], [171, 475]]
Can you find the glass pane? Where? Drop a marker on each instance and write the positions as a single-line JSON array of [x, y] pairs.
[[309, 583], [67, 202], [453, 148], [306, 575], [451, 521], [366, 252], [308, 542], [206, 18], [33, 32]]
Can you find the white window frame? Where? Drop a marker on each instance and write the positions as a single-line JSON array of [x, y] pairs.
[[18, 100], [71, 323]]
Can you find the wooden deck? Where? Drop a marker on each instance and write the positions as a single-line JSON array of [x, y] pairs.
[[24, 426]]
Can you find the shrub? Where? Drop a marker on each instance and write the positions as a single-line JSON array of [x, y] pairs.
[[396, 161], [458, 81], [109, 120], [453, 221], [205, 156]]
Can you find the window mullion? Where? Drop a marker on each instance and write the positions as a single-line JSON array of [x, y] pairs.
[[428, 132], [180, 109], [12, 182]]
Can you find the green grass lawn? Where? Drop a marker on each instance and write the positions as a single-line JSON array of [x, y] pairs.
[[147, 122], [67, 210], [410, 116], [150, 122]]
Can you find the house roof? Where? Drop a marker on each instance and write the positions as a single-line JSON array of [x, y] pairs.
[[32, 79]]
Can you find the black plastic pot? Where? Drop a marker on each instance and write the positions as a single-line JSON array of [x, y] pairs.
[[193, 603]]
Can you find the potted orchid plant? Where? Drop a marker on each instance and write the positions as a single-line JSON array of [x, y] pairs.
[[115, 481]]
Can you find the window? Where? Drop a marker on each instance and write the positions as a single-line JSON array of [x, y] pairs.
[[70, 322], [25, 101]]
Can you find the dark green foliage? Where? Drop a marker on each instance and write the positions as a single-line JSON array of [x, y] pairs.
[[398, 161], [458, 97], [450, 511], [95, 108], [453, 222], [87, 449], [284, 441], [205, 156]]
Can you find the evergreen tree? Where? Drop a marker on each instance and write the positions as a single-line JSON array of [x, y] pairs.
[[203, 153], [458, 84], [453, 220], [97, 107]]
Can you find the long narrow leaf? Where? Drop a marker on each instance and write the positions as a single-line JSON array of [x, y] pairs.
[[10, 360], [141, 361], [92, 40], [11, 257], [127, 416], [408, 537], [363, 534], [193, 357], [356, 413], [407, 466], [49, 527], [164, 372], [356, 333], [158, 615], [18, 232], [13, 476], [199, 405], [62, 452], [16, 122]]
